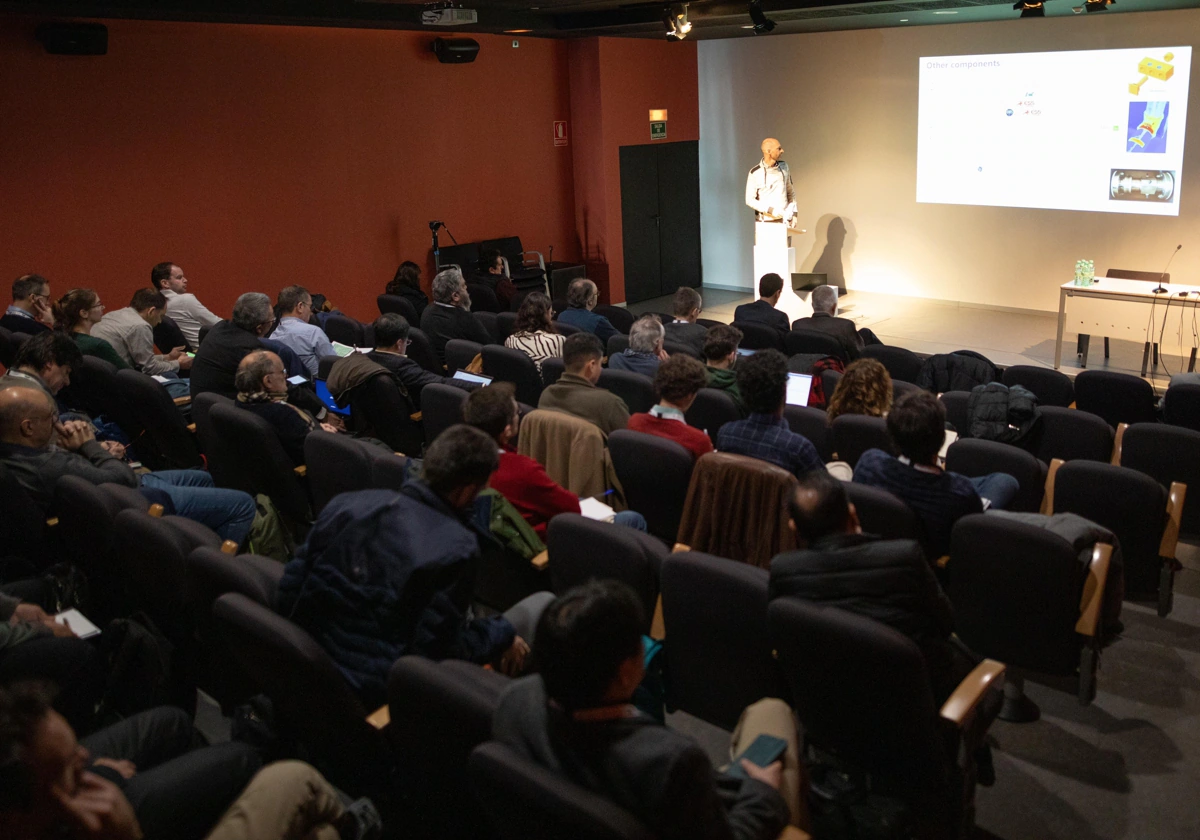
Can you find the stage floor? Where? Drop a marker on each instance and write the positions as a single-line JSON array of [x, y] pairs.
[[930, 326]]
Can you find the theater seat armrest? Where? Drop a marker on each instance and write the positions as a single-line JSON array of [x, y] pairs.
[[943, 561], [1170, 537], [156, 510], [229, 547], [52, 522], [1117, 441], [380, 718], [542, 560], [658, 626], [1048, 494], [183, 401], [191, 427], [415, 417], [793, 833], [1093, 590], [301, 470], [961, 704], [679, 548]]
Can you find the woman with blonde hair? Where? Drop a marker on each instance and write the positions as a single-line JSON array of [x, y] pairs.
[[865, 388]]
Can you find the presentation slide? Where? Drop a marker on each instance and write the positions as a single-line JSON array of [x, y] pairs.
[[1083, 130]]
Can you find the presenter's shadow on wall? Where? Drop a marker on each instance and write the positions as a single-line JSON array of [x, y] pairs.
[[834, 239]]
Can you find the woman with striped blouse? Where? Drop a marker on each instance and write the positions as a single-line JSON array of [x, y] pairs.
[[533, 332]]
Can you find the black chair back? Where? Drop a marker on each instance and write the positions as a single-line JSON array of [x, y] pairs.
[[440, 711], [94, 390], [1069, 434], [901, 364], [618, 316], [1167, 454], [1051, 387], [441, 408], [388, 472], [883, 514], [8, 348], [617, 344], [715, 614], [900, 388], [655, 473], [759, 336], [505, 324], [166, 443], [566, 329], [1117, 397], [398, 305], [974, 458], [711, 410], [325, 366], [420, 350], [483, 299], [487, 320], [168, 336], [813, 342], [382, 412], [1129, 503], [829, 383], [525, 801], [515, 366], [219, 455], [460, 353], [814, 425], [336, 464], [854, 434], [1181, 406], [675, 348], [256, 447], [552, 369], [955, 403], [344, 329], [635, 389], [87, 516]]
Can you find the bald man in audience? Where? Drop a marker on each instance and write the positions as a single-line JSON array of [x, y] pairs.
[[263, 390]]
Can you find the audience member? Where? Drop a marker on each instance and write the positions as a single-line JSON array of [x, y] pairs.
[[307, 340], [686, 307], [185, 309], [28, 423], [582, 297], [30, 310], [383, 574], [763, 311], [391, 344], [576, 393], [575, 717], [519, 478], [491, 274], [865, 388], [228, 343], [720, 354], [130, 331], [824, 300], [917, 427], [449, 316], [889, 581], [138, 778], [533, 331], [677, 381], [44, 362], [762, 381], [645, 350], [77, 312], [407, 284], [262, 389]]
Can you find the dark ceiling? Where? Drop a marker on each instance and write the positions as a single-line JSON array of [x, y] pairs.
[[576, 18]]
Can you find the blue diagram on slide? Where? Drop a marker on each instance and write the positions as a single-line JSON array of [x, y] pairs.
[[1148, 127]]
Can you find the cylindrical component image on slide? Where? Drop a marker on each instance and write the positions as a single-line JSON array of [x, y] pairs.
[[1141, 185]]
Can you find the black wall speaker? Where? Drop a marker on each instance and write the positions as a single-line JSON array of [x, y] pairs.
[[455, 50], [74, 38]]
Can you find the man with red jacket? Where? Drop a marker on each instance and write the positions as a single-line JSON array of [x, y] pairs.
[[519, 478]]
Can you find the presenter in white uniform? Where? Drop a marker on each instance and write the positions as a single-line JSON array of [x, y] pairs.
[[770, 194]]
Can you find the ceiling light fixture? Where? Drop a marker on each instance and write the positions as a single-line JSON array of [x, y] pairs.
[[1098, 5], [762, 23], [676, 19], [1030, 8]]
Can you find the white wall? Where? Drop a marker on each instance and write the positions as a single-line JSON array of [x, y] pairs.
[[844, 106]]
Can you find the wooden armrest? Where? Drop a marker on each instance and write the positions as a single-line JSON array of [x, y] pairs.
[[229, 547], [380, 718], [1116, 453], [1048, 494], [52, 522], [191, 427], [156, 510], [1170, 537], [183, 401], [943, 561], [415, 417], [679, 548], [658, 627], [1093, 590], [970, 691], [793, 833], [541, 561], [301, 470]]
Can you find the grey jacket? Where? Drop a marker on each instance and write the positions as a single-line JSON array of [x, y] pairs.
[[38, 470]]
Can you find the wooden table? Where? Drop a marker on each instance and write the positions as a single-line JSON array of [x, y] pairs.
[[1127, 309]]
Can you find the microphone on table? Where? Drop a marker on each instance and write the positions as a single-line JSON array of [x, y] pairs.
[[1161, 288]]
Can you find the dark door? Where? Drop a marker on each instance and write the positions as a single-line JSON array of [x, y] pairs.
[[660, 218]]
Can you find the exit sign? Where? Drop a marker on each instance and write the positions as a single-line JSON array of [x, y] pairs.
[[658, 131]]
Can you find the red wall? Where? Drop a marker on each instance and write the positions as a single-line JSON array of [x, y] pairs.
[[260, 156]]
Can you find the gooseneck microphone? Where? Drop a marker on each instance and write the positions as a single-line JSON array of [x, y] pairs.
[[1161, 288]]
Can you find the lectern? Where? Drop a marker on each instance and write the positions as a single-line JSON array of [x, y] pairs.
[[774, 254]]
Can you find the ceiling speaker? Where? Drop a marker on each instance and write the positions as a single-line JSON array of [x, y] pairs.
[[455, 50], [74, 38]]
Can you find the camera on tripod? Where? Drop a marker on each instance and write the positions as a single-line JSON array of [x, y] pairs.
[[433, 226]]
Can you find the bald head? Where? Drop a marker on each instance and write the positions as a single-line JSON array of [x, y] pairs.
[[260, 370], [771, 150], [27, 416], [820, 507]]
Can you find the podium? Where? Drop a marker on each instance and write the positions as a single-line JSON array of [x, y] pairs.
[[773, 254]]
